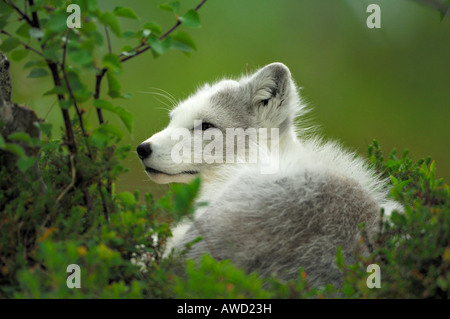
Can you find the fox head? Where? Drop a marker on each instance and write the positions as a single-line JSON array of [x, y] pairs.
[[211, 127]]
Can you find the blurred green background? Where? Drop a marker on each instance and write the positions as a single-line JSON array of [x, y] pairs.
[[391, 84]]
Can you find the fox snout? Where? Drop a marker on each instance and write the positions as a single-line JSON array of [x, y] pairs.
[[144, 150]]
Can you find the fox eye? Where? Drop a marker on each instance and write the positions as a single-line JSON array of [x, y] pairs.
[[206, 126]]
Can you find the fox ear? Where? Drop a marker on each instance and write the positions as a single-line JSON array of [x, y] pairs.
[[270, 83]]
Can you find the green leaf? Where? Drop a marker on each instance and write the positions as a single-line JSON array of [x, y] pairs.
[[124, 115], [46, 128], [2, 141], [15, 149], [81, 57], [128, 35], [34, 63], [113, 85], [183, 42], [112, 62], [191, 19], [127, 198], [110, 20], [56, 90], [125, 13], [443, 9], [5, 8], [23, 30], [171, 6], [57, 22], [25, 162], [3, 21], [18, 55], [105, 105], [21, 137], [153, 27], [127, 50], [101, 136], [158, 46], [37, 73], [9, 44]]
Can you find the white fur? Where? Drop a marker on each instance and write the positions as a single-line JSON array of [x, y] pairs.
[[267, 99]]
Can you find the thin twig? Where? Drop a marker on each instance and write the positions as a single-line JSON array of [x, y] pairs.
[[72, 183], [20, 12], [26, 46], [98, 83], [63, 68], [108, 39]]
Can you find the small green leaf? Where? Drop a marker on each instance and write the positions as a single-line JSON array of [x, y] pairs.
[[110, 20], [34, 63], [113, 85], [112, 62], [56, 90], [129, 35], [127, 50], [23, 30], [3, 21], [15, 149], [5, 8], [105, 105], [127, 198], [25, 162], [158, 46], [37, 73], [65, 104], [153, 27], [124, 115], [183, 42], [46, 128], [9, 44], [101, 136], [81, 57], [57, 22], [443, 9], [171, 6], [18, 55], [191, 19], [2, 141], [21, 137], [125, 13]]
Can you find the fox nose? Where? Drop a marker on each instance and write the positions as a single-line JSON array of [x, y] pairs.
[[144, 150]]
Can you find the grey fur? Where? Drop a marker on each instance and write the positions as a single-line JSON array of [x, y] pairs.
[[276, 223], [300, 225]]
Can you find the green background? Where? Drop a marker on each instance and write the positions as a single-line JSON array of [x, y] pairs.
[[391, 84]]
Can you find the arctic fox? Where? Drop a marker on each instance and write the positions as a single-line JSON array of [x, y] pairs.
[[277, 222]]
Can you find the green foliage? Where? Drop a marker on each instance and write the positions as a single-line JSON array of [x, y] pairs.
[[412, 248], [58, 205], [221, 279]]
